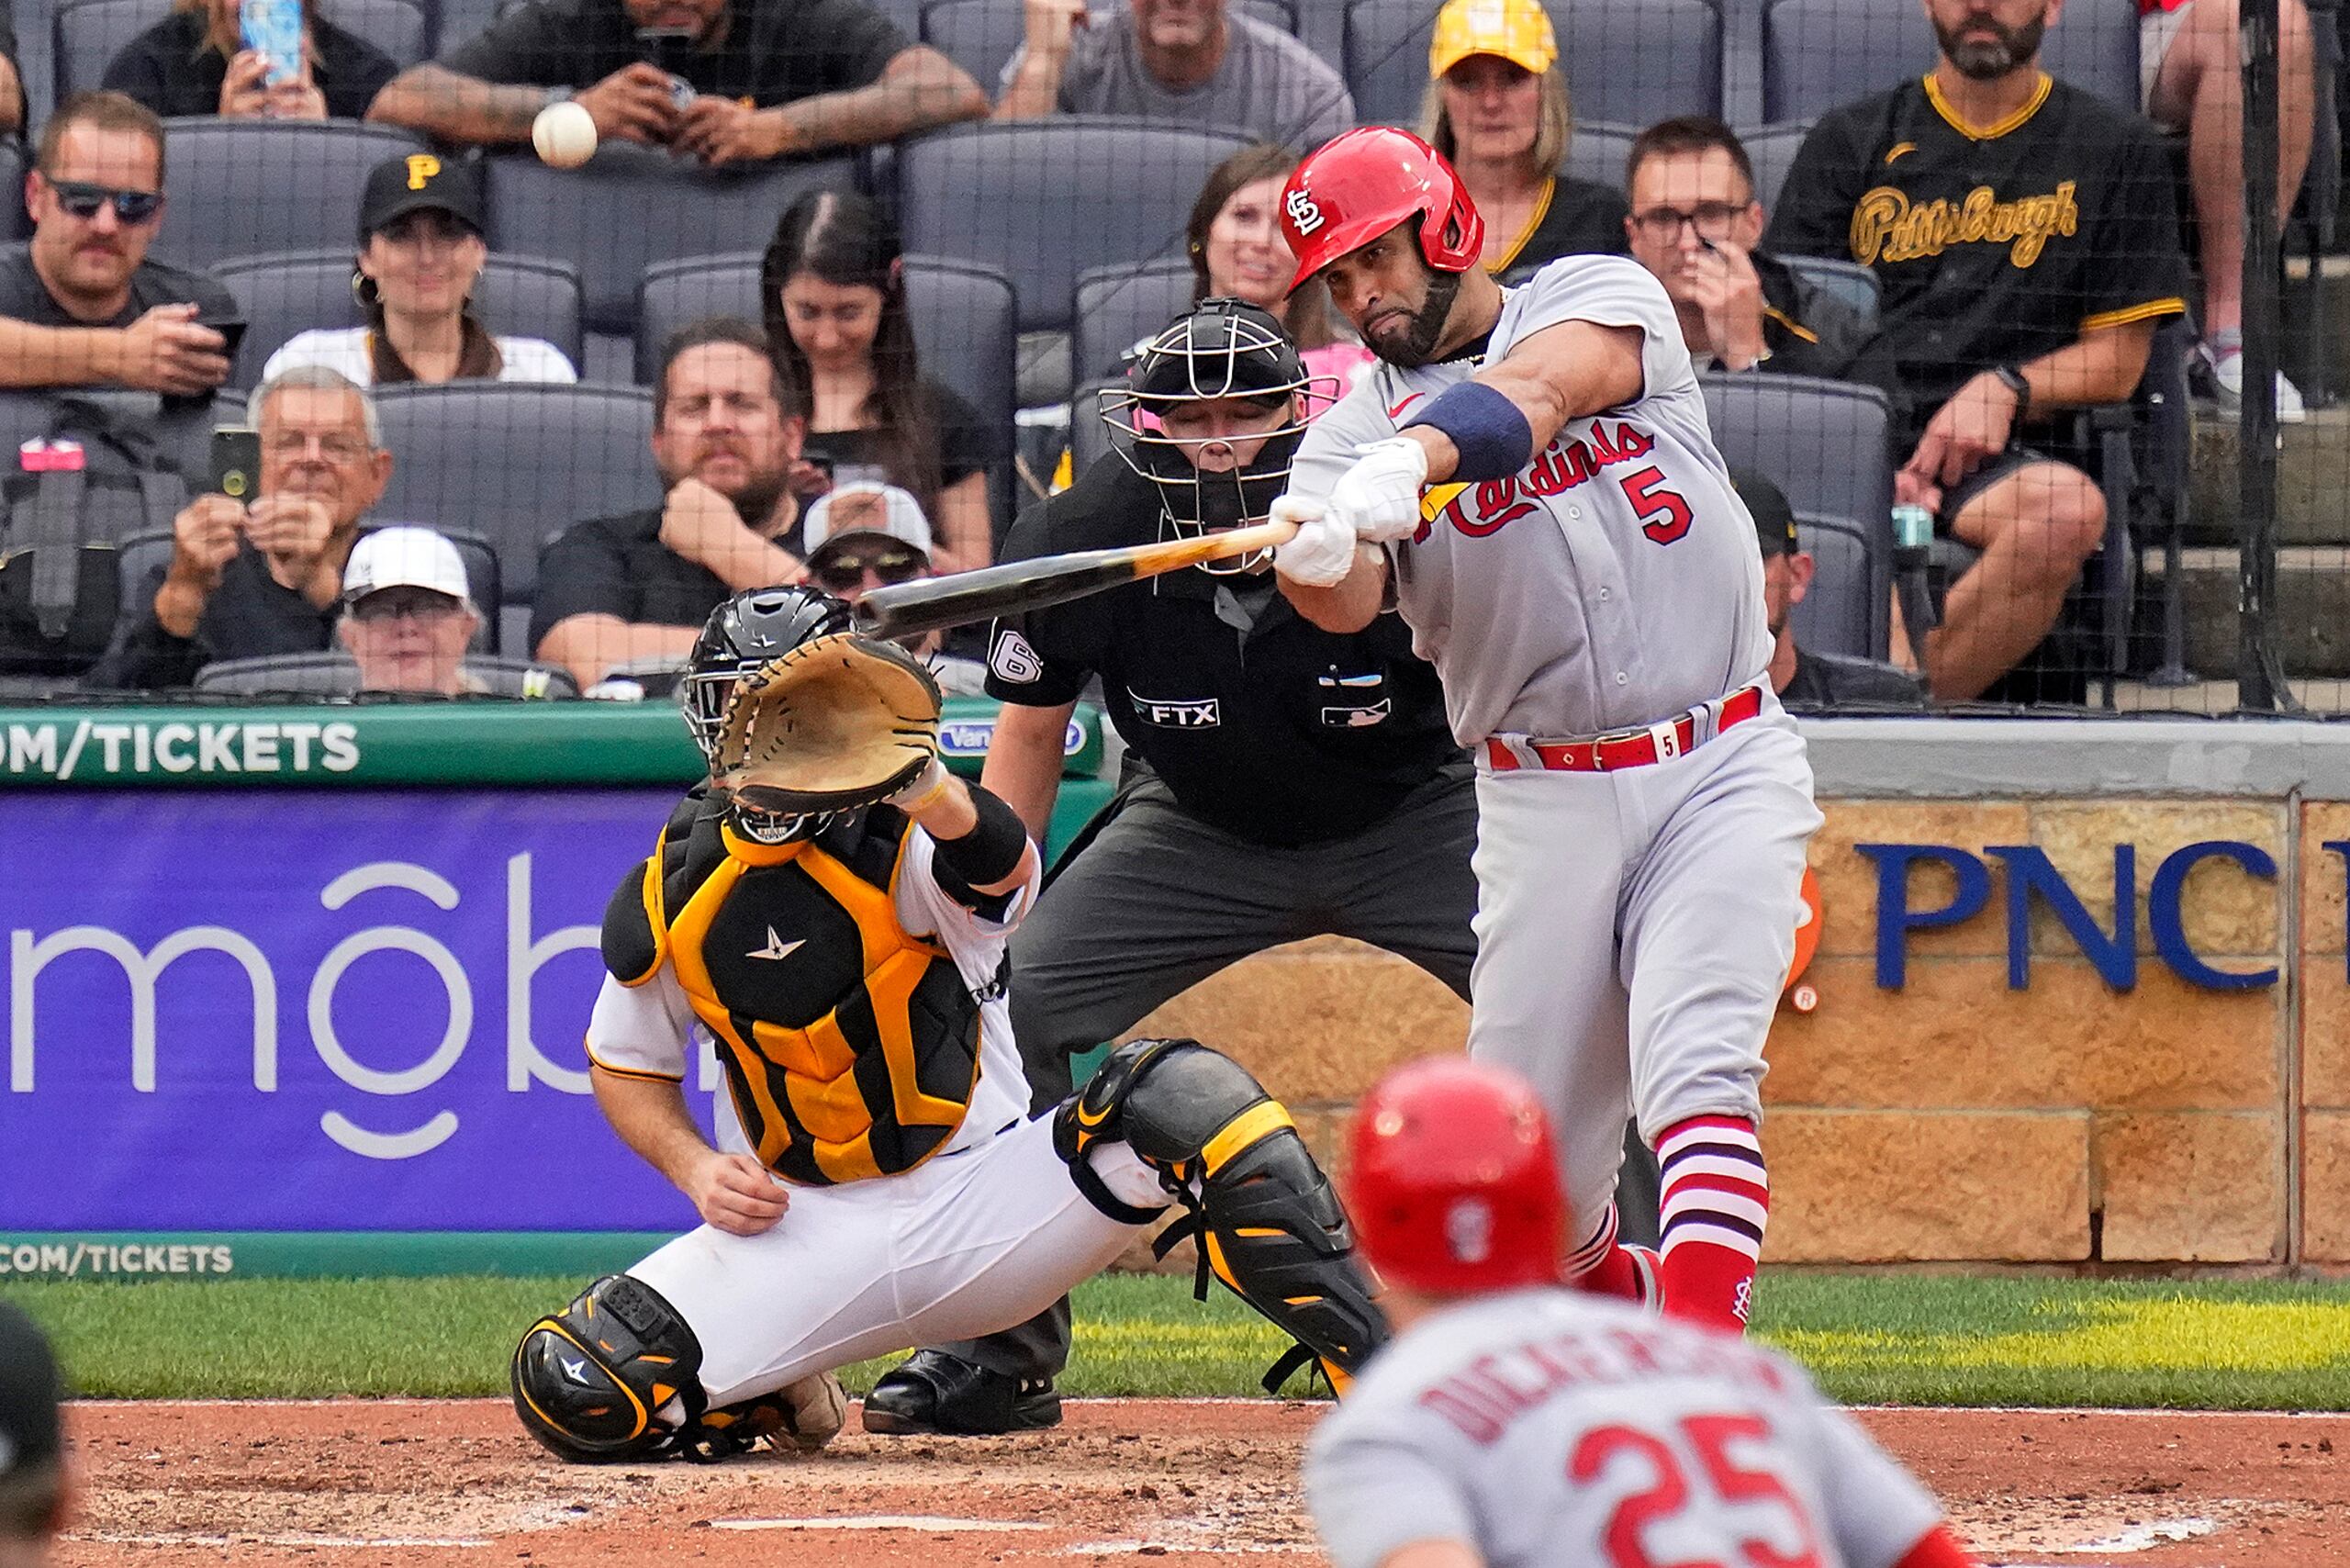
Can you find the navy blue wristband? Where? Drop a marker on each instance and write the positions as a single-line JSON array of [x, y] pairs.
[[1493, 438]]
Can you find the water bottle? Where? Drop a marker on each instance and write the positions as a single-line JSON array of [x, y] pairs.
[[1913, 542]]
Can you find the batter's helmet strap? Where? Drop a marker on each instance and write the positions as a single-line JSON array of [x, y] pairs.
[[590, 1380], [1268, 1223], [1362, 183]]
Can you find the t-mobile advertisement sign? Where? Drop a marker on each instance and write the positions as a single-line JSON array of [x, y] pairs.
[[307, 1011]]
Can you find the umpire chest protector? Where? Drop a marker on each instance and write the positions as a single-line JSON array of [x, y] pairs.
[[851, 1047]]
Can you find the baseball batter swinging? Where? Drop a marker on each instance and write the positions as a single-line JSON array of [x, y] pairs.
[[829, 915], [1529, 475]]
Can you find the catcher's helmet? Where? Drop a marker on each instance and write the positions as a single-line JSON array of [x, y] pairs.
[[1222, 348], [1359, 184], [1454, 1189], [742, 634]]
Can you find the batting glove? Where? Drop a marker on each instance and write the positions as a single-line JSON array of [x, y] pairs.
[[1378, 498], [1323, 552]]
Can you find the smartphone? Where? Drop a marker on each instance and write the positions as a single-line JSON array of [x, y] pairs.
[[236, 462], [232, 336], [273, 29]]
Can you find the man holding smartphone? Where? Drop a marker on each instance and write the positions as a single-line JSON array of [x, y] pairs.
[[81, 303]]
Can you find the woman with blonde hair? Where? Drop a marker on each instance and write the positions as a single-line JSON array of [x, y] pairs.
[[1496, 107], [195, 62]]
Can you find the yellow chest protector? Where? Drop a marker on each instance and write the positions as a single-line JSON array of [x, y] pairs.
[[850, 1046]]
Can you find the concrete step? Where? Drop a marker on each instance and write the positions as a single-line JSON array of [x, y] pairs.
[[2312, 480], [2322, 698], [2311, 621]]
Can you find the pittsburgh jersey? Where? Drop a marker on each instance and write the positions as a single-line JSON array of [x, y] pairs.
[[1548, 1426], [1611, 583], [857, 1008], [1992, 244]]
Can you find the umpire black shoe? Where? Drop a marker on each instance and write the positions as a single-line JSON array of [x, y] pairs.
[[931, 1392]]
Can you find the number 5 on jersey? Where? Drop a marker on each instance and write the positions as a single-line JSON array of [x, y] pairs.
[[1664, 516]]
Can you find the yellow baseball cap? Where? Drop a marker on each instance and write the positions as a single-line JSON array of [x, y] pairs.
[[1517, 30]]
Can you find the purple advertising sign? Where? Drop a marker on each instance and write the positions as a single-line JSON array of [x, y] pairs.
[[289, 1010]]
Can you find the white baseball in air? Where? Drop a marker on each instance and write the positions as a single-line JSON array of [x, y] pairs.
[[564, 134]]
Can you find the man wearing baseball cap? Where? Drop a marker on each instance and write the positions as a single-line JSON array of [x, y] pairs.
[[1809, 682], [34, 1496], [866, 535], [408, 613]]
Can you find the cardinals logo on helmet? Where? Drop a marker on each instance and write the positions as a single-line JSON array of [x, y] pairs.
[[1302, 211]]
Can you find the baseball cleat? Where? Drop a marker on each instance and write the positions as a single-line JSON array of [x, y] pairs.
[[934, 1393]]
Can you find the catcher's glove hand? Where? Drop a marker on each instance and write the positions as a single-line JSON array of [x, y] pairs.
[[840, 722]]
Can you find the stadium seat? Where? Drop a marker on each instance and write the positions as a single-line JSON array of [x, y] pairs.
[[516, 463], [1596, 153], [14, 161], [241, 186], [981, 36], [337, 675], [1773, 151], [1635, 62], [1118, 308], [1818, 54], [672, 294], [1854, 285], [631, 207], [182, 427], [1824, 444], [290, 292], [88, 34], [1088, 439]]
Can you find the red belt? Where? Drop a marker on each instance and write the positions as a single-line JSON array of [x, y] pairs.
[[1632, 748]]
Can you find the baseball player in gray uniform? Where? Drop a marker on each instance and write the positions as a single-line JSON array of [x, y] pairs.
[[1513, 1422], [1528, 479]]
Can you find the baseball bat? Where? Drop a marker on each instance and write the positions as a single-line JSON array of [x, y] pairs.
[[903, 609]]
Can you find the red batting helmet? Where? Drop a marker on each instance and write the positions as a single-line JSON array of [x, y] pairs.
[[1358, 186], [1453, 1188]]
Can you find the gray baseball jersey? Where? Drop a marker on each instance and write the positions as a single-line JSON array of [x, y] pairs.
[[1546, 1426], [1612, 583]]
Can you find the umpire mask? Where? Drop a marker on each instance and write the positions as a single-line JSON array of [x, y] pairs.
[[1222, 349]]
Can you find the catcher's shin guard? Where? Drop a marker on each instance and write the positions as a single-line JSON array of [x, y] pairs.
[[1268, 1223], [588, 1381]]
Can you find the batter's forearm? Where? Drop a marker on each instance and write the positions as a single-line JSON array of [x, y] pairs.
[[1567, 372], [650, 1117], [1348, 605], [457, 107]]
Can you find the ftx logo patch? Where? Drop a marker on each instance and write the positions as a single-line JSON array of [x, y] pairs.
[[1177, 713]]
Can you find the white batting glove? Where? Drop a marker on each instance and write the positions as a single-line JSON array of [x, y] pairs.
[[1378, 498], [1323, 553]]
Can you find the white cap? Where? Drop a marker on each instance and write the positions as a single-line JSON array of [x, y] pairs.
[[898, 516], [405, 557]]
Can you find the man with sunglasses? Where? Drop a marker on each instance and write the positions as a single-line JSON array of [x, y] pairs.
[[1695, 224], [81, 304], [866, 535], [263, 574]]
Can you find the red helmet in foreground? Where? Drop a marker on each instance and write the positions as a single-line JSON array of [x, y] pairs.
[[1358, 186], [1453, 1187]]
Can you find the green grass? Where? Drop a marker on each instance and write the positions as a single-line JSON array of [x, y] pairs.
[[1870, 1339]]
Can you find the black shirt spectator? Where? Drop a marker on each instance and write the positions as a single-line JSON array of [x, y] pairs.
[[1582, 218], [617, 565], [1281, 733], [250, 614], [776, 51], [23, 298], [967, 443], [1808, 331], [169, 69]]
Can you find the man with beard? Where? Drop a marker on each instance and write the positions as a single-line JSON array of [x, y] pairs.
[[1281, 781], [2025, 241], [725, 431]]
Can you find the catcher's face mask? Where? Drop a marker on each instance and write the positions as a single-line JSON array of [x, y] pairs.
[[1200, 395]]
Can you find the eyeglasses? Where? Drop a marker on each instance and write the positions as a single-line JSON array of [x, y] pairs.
[[84, 200], [407, 600], [892, 563], [1712, 220], [333, 448]]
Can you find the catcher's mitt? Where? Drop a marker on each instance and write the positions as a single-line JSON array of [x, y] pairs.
[[839, 722]]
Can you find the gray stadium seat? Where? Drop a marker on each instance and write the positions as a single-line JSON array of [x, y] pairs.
[[291, 292], [1823, 443], [88, 34], [1773, 151], [1597, 151], [1854, 285], [240, 186], [631, 207], [1119, 306], [516, 463], [14, 161], [1635, 62], [183, 428], [335, 675], [1818, 54], [981, 36]]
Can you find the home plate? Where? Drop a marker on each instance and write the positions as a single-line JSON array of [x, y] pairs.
[[933, 1523]]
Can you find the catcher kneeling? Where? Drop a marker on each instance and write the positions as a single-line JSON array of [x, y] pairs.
[[831, 913]]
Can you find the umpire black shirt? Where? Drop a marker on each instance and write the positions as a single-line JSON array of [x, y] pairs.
[[773, 51], [1992, 244], [1261, 723]]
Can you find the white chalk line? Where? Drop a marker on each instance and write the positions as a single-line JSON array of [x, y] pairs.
[[290, 1538], [935, 1524]]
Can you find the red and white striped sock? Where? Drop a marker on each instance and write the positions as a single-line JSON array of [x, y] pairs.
[[1603, 1266], [1717, 1200]]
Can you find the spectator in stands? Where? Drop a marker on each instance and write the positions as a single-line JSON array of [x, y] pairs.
[[726, 430], [1496, 107], [36, 1494], [722, 83], [12, 83], [1189, 60], [408, 613], [264, 578], [863, 536], [1238, 251], [420, 252], [834, 290], [81, 303], [1695, 224], [2026, 244], [195, 62], [1807, 681], [2191, 75]]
